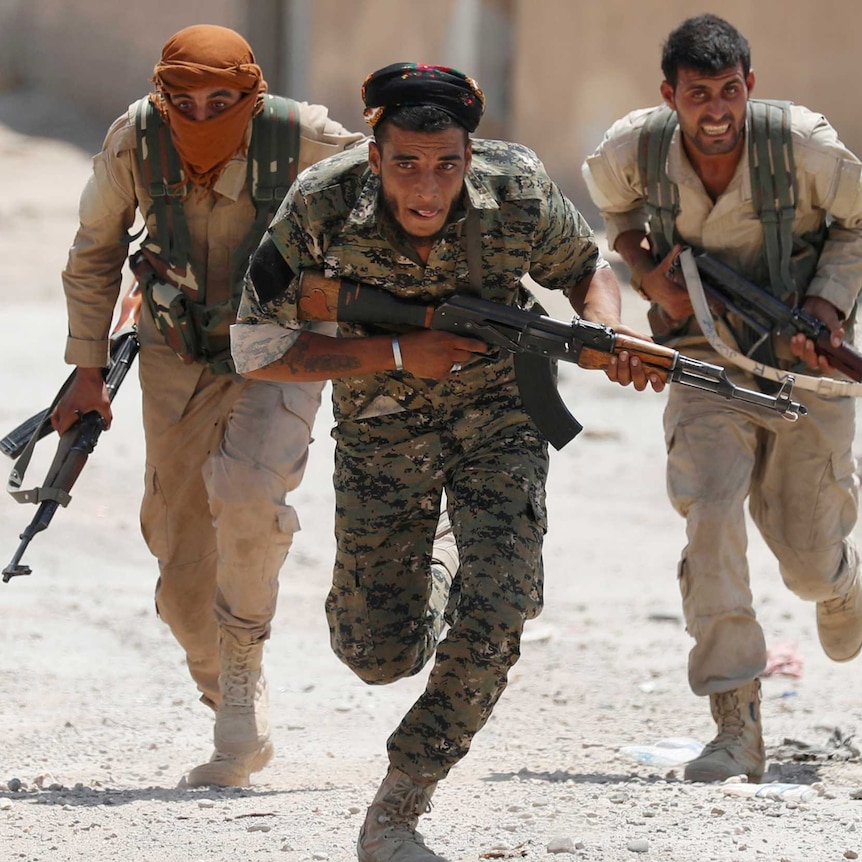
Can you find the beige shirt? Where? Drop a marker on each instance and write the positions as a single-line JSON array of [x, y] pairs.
[[829, 178], [218, 224]]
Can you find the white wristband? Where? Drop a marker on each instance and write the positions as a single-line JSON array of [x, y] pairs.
[[396, 352]]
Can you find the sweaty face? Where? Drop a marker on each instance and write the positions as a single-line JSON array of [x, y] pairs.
[[711, 108], [206, 103], [422, 175]]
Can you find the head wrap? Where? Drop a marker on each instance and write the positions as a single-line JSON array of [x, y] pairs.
[[207, 57], [403, 84]]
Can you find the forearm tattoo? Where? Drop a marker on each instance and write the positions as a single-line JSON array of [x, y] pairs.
[[299, 360]]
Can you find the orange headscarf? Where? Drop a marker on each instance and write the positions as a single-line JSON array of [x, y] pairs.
[[206, 56]]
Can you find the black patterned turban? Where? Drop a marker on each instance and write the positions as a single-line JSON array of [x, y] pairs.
[[403, 84]]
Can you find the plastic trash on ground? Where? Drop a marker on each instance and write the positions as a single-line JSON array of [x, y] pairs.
[[673, 751], [774, 790]]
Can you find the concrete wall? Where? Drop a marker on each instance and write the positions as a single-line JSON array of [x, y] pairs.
[[98, 54], [556, 72], [581, 65]]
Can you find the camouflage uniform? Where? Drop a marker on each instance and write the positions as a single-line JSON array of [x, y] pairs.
[[799, 478], [403, 441], [221, 451]]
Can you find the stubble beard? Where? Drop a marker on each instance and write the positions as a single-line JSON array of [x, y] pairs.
[[412, 238], [707, 146]]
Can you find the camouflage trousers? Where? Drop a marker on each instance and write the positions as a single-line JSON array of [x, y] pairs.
[[802, 491], [384, 616], [222, 453]]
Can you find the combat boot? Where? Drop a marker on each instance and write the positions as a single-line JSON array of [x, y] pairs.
[[839, 624], [389, 832], [241, 733], [738, 747]]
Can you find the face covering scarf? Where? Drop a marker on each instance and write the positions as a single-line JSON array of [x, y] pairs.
[[207, 57]]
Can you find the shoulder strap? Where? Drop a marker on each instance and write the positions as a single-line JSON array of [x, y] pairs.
[[662, 195], [272, 167], [160, 168], [773, 185]]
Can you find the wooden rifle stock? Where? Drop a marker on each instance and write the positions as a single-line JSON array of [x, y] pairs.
[[655, 358]]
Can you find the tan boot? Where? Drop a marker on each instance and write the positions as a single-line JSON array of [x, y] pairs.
[[738, 747], [241, 733], [389, 832], [839, 624]]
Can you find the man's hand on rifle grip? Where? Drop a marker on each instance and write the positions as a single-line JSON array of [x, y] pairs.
[[432, 354], [665, 286], [87, 392], [627, 369], [804, 348]]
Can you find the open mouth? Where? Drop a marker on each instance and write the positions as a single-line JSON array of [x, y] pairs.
[[715, 130]]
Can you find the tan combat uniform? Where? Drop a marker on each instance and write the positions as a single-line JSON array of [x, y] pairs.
[[799, 478], [221, 451]]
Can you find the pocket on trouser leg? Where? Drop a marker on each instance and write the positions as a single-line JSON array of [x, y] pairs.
[[538, 508], [844, 470], [684, 581], [154, 516], [347, 615]]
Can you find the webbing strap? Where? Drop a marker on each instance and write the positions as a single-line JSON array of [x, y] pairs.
[[773, 182], [272, 167], [16, 476], [773, 186], [473, 236], [662, 195], [162, 172]]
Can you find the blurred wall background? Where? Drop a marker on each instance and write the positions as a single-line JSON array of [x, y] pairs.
[[556, 73]]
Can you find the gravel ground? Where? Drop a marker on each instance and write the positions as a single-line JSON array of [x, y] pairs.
[[100, 719]]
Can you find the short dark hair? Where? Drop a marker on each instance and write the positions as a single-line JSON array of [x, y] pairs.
[[707, 44], [417, 118]]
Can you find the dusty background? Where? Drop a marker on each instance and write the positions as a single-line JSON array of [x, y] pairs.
[[99, 718]]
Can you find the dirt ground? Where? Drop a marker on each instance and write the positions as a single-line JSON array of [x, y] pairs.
[[100, 719]]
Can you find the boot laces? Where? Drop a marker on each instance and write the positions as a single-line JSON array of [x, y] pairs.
[[239, 675], [840, 604], [729, 719], [404, 804]]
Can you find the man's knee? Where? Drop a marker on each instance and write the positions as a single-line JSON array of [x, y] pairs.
[[380, 668], [382, 654], [184, 599], [819, 574]]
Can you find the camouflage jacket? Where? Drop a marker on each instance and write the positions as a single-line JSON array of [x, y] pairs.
[[332, 221]]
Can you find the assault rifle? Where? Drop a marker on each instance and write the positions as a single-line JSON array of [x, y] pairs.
[[533, 339], [768, 316], [75, 444]]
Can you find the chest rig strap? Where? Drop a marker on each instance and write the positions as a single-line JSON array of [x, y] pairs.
[[773, 182], [273, 161]]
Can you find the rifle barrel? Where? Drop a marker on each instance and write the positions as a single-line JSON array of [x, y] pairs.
[[40, 522]]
